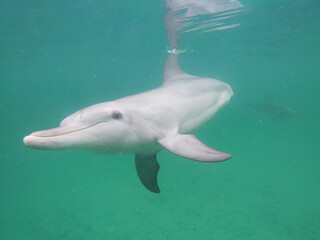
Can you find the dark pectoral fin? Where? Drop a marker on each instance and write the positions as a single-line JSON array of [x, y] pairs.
[[147, 169], [189, 146]]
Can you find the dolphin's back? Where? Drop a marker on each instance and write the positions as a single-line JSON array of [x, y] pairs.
[[186, 103]]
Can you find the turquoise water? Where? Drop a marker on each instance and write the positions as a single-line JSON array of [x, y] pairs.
[[57, 57]]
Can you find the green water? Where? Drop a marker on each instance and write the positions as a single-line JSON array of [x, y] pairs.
[[57, 57]]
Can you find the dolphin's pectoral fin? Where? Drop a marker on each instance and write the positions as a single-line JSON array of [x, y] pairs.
[[188, 146], [147, 169]]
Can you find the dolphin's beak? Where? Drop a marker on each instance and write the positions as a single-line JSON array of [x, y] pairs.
[[35, 142], [51, 132], [55, 138]]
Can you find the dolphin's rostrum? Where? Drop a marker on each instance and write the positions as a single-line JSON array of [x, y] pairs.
[[145, 123]]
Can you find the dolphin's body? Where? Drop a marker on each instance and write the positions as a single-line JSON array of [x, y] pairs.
[[145, 123]]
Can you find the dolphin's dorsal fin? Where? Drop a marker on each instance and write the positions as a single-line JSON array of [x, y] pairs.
[[147, 169], [188, 146], [172, 70]]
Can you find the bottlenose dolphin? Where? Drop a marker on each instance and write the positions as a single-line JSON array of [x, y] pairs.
[[275, 109], [145, 123]]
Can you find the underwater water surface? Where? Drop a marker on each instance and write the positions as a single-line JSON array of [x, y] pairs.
[[57, 57]]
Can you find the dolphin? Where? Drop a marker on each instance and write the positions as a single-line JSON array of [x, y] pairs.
[[273, 108], [145, 123]]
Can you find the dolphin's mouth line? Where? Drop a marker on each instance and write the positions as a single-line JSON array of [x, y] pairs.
[[59, 134], [54, 132]]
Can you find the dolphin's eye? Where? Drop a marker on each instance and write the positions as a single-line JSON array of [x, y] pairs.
[[117, 115]]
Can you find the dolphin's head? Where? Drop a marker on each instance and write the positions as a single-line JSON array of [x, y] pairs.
[[99, 128]]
